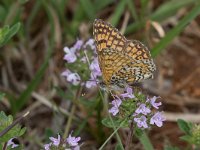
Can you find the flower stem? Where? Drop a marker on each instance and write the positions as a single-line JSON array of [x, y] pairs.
[[144, 139], [115, 131], [67, 127], [130, 137]]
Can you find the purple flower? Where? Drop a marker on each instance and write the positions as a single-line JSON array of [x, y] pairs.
[[70, 56], [74, 78], [66, 73], [129, 93], [76, 148], [141, 122], [116, 102], [113, 110], [153, 102], [78, 44], [95, 69], [47, 146], [90, 43], [90, 84], [157, 119], [11, 143], [73, 141], [115, 106], [55, 141], [143, 109]]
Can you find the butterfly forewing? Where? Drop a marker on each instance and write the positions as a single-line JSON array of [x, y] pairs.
[[107, 36]]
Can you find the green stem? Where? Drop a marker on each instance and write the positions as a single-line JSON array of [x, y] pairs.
[[144, 139], [78, 93], [114, 127], [109, 138]]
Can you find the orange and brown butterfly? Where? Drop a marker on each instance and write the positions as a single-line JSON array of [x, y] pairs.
[[122, 62]]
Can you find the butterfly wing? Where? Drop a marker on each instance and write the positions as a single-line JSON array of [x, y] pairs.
[[141, 65], [106, 36], [108, 41], [121, 61]]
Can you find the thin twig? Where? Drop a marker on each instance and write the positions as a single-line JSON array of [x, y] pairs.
[[188, 117], [125, 22]]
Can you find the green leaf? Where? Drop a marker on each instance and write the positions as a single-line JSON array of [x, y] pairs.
[[184, 126], [116, 121], [187, 138], [6, 33], [16, 131]]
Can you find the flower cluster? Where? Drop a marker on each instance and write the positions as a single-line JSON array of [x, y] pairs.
[[143, 110], [71, 142], [78, 62]]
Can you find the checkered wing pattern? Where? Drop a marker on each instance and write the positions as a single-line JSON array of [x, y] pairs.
[[121, 61]]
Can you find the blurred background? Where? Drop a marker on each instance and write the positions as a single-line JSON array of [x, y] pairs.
[[31, 64]]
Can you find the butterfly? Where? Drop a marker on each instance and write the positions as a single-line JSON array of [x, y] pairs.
[[122, 62]]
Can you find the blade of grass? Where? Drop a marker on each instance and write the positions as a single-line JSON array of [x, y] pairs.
[[131, 7], [158, 16], [115, 131], [33, 14], [12, 16], [118, 12], [170, 8], [89, 8], [60, 8], [176, 30], [23, 98], [3, 13], [102, 3], [144, 9], [74, 24], [144, 139]]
